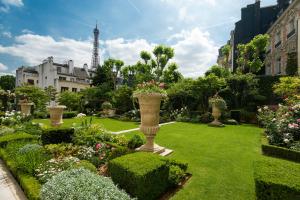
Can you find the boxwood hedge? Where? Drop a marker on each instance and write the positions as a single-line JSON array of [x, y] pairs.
[[277, 179]]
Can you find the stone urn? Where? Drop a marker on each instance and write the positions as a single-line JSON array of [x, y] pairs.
[[150, 108], [56, 115], [26, 107], [216, 113]]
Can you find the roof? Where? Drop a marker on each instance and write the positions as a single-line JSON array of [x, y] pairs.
[[30, 70], [80, 73]]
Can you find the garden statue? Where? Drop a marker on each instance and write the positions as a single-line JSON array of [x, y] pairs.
[[25, 105], [149, 97], [56, 113], [218, 105]]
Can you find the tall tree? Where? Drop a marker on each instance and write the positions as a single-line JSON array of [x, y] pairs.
[[226, 52], [7, 82], [251, 55]]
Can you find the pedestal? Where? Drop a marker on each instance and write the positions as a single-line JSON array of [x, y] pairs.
[[56, 115]]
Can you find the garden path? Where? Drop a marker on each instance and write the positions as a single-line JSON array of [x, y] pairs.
[[9, 188], [136, 129]]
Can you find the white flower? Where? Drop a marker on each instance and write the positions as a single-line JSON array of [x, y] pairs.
[[286, 141]]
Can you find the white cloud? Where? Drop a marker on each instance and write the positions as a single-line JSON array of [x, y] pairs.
[[32, 49], [17, 3], [6, 34], [8, 3], [127, 50], [3, 67], [27, 31], [194, 50]]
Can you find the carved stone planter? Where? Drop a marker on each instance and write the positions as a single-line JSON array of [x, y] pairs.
[[150, 108], [216, 113], [26, 108], [109, 112], [56, 115]]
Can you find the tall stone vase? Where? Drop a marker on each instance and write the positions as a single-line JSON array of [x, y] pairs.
[[150, 108], [56, 115], [216, 113], [26, 108]]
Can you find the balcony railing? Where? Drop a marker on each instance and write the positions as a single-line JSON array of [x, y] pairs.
[[277, 44], [291, 33]]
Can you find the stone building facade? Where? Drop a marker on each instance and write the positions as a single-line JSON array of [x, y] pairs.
[[284, 41], [63, 77]]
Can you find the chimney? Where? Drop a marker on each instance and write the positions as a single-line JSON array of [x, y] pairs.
[[85, 67], [71, 66]]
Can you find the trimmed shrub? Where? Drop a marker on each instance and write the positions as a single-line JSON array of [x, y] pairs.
[[81, 184], [85, 165], [118, 152], [277, 179], [70, 114], [135, 142], [18, 136], [206, 118], [40, 115], [143, 175], [280, 152], [57, 135], [176, 174]]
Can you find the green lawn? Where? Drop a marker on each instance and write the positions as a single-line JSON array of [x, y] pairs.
[[109, 124], [220, 159]]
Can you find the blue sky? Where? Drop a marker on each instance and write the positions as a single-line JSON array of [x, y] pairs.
[[31, 30]]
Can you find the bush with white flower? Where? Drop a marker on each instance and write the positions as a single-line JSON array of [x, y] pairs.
[[81, 115], [13, 118], [282, 125]]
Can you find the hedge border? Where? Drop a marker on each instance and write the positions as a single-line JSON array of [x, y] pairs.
[[17, 136], [276, 179], [279, 152], [30, 185]]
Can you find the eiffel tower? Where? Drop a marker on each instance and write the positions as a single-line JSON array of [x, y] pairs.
[[95, 57]]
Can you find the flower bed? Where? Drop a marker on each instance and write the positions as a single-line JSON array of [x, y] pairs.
[[282, 125]]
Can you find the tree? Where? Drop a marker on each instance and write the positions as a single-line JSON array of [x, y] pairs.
[[241, 90], [7, 82], [51, 92], [108, 73], [219, 71], [122, 99], [35, 94], [171, 74], [71, 100], [226, 52], [251, 55], [288, 87]]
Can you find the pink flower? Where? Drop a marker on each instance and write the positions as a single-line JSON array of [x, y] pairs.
[[98, 146], [298, 120], [162, 85]]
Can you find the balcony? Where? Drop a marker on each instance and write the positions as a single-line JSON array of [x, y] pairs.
[[291, 33]]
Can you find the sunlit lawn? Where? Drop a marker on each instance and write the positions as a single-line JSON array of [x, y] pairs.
[[220, 159], [109, 124]]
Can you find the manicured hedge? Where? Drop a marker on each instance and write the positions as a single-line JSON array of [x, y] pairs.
[[17, 136], [278, 152], [265, 85], [57, 135], [30, 185], [70, 114], [277, 179], [143, 175]]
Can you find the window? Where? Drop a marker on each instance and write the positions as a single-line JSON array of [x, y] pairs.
[[30, 82], [62, 89], [72, 79], [46, 77], [74, 89], [291, 28], [278, 66], [61, 78], [58, 69], [37, 81], [268, 70], [278, 39]]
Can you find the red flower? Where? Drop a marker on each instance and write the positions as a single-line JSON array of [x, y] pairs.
[[98, 146]]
